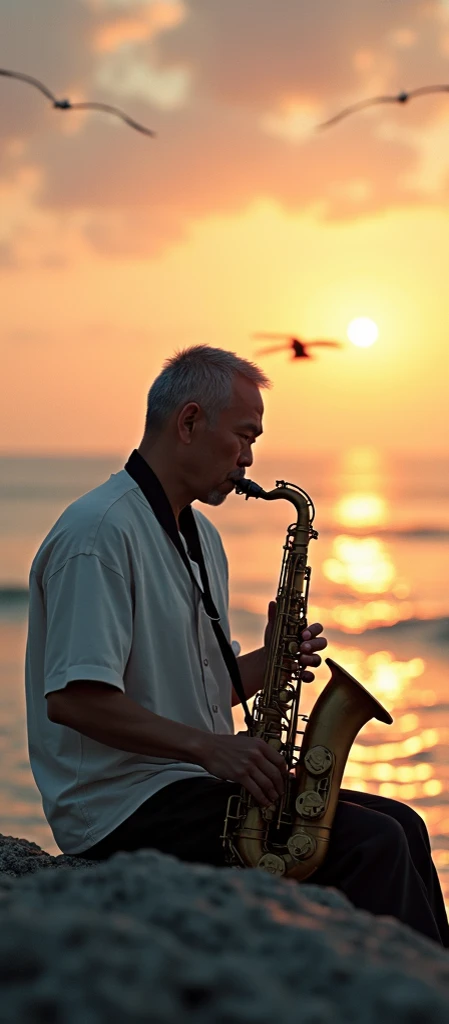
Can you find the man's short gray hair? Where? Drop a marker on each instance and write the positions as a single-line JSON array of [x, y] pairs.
[[198, 374]]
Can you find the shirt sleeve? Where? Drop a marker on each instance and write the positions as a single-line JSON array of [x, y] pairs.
[[89, 624]]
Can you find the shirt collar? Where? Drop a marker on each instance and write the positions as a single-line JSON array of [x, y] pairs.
[[151, 487]]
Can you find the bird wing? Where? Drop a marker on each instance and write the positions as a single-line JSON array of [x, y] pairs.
[[402, 97], [359, 106], [67, 105], [31, 81], [426, 89], [328, 344], [113, 110], [268, 351]]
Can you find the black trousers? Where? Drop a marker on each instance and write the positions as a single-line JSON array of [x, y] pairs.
[[379, 852]]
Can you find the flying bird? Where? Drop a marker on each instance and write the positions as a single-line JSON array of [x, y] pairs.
[[299, 347], [402, 97], [67, 105]]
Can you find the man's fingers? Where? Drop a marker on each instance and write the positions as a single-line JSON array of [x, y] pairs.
[[307, 677], [313, 645], [268, 789], [256, 792], [274, 776], [314, 629], [274, 756], [310, 659]]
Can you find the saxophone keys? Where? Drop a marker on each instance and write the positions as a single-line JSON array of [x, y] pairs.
[[285, 697], [318, 760], [310, 804], [272, 863], [301, 845]]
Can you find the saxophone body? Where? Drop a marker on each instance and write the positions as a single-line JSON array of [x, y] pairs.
[[291, 837]]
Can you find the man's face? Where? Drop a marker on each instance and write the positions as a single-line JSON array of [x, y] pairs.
[[224, 450]]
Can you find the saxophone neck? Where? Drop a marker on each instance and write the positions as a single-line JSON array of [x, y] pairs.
[[302, 501]]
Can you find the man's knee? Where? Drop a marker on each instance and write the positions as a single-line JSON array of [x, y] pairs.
[[389, 836], [412, 823]]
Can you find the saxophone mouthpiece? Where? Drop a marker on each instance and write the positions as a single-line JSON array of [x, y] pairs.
[[250, 489]]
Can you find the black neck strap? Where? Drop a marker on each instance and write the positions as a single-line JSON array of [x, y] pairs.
[[152, 488]]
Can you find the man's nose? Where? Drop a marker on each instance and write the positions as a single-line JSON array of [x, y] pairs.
[[246, 456]]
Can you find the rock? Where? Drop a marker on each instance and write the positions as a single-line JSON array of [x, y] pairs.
[[146, 938], [20, 857]]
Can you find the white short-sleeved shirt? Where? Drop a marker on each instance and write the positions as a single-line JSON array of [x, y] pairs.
[[111, 600]]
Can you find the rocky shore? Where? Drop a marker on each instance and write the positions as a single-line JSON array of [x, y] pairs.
[[146, 938]]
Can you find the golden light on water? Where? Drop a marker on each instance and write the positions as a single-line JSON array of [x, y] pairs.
[[387, 752], [389, 680], [362, 331], [408, 723], [354, 618], [405, 767], [361, 510], [361, 563], [389, 677], [375, 764]]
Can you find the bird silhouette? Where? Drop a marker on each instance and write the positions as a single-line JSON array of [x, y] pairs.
[[67, 105], [402, 97], [299, 348]]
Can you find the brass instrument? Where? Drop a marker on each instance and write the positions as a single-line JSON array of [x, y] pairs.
[[291, 837]]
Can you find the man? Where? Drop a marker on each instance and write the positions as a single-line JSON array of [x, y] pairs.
[[128, 679]]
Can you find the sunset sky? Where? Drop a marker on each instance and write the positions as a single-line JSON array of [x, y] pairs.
[[117, 249]]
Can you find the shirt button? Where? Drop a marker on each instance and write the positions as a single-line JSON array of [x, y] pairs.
[[205, 662], [215, 708]]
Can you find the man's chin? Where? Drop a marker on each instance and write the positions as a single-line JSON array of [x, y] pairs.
[[217, 496], [214, 498]]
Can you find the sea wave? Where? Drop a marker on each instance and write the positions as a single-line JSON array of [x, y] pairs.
[[434, 631], [240, 527], [13, 601], [390, 533], [13, 592]]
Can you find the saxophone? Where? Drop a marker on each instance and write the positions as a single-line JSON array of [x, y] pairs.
[[291, 837]]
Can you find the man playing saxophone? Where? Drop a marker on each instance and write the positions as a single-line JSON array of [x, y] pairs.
[[131, 678]]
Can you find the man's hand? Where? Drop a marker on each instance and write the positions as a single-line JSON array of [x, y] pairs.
[[311, 643], [249, 761]]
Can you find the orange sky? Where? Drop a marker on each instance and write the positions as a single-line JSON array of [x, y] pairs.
[[116, 249]]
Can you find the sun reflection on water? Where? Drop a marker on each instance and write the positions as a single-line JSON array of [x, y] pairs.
[[354, 618], [360, 563], [387, 766], [380, 672], [361, 510]]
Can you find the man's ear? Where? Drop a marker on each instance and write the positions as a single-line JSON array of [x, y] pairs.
[[188, 417]]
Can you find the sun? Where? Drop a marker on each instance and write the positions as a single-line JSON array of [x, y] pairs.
[[363, 332]]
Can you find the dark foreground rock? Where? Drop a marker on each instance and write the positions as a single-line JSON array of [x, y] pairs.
[[146, 938]]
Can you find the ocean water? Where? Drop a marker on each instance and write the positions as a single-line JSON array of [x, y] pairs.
[[379, 585]]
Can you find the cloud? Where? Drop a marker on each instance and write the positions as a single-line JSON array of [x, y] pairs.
[[258, 54], [233, 90], [142, 23]]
